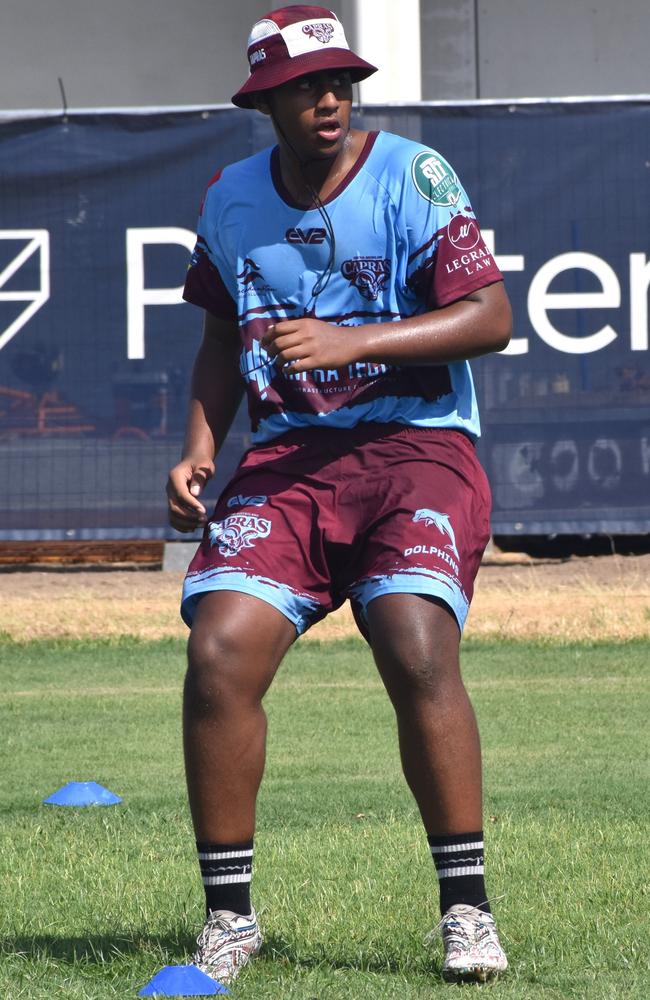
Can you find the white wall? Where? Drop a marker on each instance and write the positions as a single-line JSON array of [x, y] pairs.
[[555, 48], [167, 52]]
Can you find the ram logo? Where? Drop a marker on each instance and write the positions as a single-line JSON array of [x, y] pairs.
[[442, 523]]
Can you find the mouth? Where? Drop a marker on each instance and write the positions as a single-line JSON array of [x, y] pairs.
[[329, 130]]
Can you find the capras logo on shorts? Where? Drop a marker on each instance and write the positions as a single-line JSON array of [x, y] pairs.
[[238, 531], [368, 274], [463, 233], [242, 501], [442, 523], [321, 32], [305, 236]]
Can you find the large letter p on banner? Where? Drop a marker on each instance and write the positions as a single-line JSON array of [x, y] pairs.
[[137, 295]]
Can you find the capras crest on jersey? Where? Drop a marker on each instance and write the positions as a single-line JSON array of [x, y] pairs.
[[368, 274]]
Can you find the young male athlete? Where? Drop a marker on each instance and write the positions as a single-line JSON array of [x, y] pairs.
[[345, 284]]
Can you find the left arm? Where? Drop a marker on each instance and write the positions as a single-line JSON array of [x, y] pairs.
[[480, 323]]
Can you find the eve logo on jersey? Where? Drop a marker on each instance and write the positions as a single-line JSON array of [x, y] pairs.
[[238, 531], [307, 237], [321, 32], [435, 180], [367, 274]]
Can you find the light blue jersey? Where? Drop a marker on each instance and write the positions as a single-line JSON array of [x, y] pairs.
[[406, 242]]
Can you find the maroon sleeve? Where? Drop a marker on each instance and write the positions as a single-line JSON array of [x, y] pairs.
[[205, 287], [462, 263]]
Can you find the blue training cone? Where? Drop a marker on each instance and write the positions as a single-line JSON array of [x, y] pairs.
[[82, 793], [181, 981]]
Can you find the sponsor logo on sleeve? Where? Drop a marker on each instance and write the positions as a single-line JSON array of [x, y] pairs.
[[369, 275], [435, 180], [463, 233], [238, 531]]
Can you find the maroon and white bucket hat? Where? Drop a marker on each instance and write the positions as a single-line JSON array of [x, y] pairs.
[[295, 40]]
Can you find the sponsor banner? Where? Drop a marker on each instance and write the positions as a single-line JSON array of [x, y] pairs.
[[97, 221]]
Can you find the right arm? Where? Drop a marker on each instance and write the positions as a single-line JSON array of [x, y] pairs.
[[217, 390]]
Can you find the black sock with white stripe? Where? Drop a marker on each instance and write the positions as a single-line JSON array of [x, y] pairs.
[[226, 872], [458, 858]]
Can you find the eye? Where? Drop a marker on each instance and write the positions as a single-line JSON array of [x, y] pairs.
[[305, 83], [341, 79]]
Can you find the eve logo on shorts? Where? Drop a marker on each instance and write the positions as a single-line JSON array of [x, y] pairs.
[[435, 180], [238, 531], [242, 501], [442, 523], [305, 236], [367, 274]]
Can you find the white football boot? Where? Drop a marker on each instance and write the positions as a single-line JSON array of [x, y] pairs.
[[226, 944], [473, 952]]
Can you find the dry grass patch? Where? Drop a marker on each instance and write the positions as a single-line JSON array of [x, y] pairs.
[[604, 597]]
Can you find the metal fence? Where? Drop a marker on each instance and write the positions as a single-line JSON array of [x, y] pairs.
[[97, 218]]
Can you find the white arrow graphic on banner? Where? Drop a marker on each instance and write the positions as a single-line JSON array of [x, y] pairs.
[[38, 242]]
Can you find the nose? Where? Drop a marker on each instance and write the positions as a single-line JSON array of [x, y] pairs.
[[327, 98]]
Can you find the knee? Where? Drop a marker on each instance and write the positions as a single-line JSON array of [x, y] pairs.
[[216, 671], [420, 675]]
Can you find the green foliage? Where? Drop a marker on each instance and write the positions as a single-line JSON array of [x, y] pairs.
[[96, 900]]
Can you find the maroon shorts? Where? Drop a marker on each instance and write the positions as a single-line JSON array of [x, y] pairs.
[[322, 515]]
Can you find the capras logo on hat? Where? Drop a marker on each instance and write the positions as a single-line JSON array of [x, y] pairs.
[[322, 32]]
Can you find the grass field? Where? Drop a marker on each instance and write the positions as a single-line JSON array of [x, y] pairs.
[[95, 901]]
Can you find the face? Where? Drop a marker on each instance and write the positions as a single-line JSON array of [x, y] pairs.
[[312, 113]]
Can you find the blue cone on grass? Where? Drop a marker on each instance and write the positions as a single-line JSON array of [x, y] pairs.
[[181, 981], [82, 793]]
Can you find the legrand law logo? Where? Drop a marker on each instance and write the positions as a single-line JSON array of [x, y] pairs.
[[435, 180]]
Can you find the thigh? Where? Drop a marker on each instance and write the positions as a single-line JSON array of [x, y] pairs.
[[433, 527], [415, 641]]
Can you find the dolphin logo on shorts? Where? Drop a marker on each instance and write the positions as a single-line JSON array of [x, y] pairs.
[[442, 523], [238, 531]]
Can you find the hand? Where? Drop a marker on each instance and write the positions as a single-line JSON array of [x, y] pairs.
[[300, 345], [185, 484]]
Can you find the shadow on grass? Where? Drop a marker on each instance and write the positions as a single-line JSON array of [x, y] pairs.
[[98, 948], [175, 948]]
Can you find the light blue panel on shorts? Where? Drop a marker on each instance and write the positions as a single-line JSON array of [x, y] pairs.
[[300, 609], [421, 581]]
